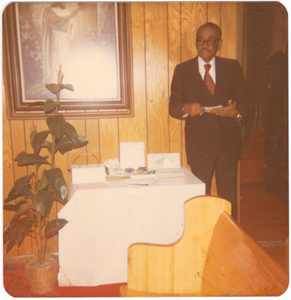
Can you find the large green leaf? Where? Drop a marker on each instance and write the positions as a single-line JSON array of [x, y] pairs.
[[53, 227], [66, 86], [82, 141], [56, 125], [25, 159], [52, 87], [20, 155], [56, 181], [36, 103], [22, 208], [65, 144], [50, 105], [20, 183], [17, 231], [19, 208], [27, 193], [10, 207], [38, 140], [48, 145], [12, 196], [42, 182], [71, 133], [44, 201]]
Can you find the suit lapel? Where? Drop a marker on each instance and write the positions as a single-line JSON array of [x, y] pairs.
[[197, 73], [193, 78], [193, 69], [196, 76]]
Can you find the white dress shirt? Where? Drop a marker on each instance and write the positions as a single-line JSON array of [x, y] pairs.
[[212, 71]]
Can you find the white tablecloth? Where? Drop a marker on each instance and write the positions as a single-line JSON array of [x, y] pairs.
[[103, 223]]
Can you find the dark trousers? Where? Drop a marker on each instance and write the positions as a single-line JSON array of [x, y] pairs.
[[226, 181]]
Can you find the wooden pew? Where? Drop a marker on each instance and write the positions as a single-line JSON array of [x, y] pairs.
[[214, 257]]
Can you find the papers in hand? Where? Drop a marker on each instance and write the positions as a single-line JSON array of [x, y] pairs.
[[207, 108]]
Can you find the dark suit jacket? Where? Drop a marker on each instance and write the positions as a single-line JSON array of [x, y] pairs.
[[207, 135]]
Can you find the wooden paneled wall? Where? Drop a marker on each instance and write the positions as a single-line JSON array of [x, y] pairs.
[[163, 35]]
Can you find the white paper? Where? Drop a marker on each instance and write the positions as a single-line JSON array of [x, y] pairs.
[[137, 183], [132, 155], [163, 161], [171, 177], [142, 176], [210, 107], [169, 174]]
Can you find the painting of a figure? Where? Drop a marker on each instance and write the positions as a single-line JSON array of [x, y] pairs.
[[80, 38]]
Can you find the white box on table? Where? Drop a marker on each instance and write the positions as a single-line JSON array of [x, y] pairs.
[[88, 173], [158, 161], [132, 155]]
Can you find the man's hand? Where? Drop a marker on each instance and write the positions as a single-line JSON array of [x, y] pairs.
[[229, 111], [193, 109]]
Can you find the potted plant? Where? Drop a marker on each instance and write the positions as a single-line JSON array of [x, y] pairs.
[[34, 194]]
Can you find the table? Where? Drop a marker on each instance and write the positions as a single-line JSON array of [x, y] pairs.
[[104, 222]]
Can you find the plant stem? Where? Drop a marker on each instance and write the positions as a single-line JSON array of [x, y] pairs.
[[54, 138], [41, 256], [53, 152], [36, 174], [36, 240], [58, 97], [45, 239]]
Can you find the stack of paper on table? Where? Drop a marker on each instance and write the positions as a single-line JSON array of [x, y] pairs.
[[170, 177], [138, 176]]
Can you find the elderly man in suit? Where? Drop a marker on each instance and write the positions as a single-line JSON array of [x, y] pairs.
[[211, 95]]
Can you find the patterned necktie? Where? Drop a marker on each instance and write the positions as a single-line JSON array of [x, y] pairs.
[[208, 79]]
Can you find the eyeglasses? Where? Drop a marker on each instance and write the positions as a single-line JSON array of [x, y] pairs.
[[200, 42]]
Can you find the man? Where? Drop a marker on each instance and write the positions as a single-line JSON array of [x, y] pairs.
[[212, 115]]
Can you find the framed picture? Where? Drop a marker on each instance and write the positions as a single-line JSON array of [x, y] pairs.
[[90, 42]]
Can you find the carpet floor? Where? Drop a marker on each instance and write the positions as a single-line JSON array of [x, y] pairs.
[[16, 285], [266, 219]]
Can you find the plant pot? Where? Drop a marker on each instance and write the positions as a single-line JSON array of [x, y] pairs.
[[42, 278]]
